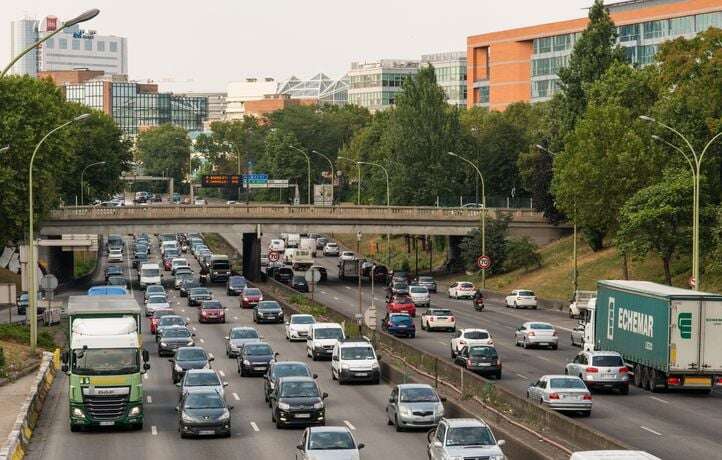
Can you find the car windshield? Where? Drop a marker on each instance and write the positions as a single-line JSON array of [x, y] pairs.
[[269, 305], [330, 440], [329, 333], [184, 276], [221, 265], [201, 379], [105, 361], [419, 290], [525, 293], [257, 350], [172, 321], [252, 291], [150, 272], [482, 352], [236, 281], [469, 436], [176, 332], [567, 383], [157, 299], [357, 353], [117, 280], [331, 245], [401, 285], [607, 361], [476, 335], [541, 326], [244, 334], [190, 354], [414, 395], [154, 290], [215, 305], [290, 370], [426, 279], [440, 312], [203, 401], [302, 320], [200, 291], [466, 286], [299, 390]]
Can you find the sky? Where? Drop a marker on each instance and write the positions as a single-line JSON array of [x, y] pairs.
[[192, 45]]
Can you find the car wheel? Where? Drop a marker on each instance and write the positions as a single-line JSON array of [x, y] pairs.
[[525, 344], [498, 375], [333, 375], [453, 355], [555, 346], [314, 356], [398, 427], [638, 376], [516, 307], [624, 390]]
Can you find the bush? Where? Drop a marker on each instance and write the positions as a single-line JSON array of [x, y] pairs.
[[21, 334], [522, 253]]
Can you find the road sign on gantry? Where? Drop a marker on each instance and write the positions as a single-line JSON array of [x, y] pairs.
[[483, 262]]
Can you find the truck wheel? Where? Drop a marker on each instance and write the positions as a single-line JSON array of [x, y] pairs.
[[75, 428], [638, 376], [137, 426], [652, 382]]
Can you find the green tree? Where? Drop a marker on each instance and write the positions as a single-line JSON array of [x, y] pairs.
[[165, 151], [279, 161], [496, 245], [522, 253], [233, 143]]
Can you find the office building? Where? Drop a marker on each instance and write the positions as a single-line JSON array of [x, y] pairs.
[[522, 64], [216, 106], [374, 85], [450, 70], [320, 88], [250, 89], [73, 48], [134, 106]]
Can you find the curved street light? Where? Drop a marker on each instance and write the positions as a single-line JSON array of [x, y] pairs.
[[86, 16], [333, 177], [32, 263], [82, 174], [308, 164], [4, 149]]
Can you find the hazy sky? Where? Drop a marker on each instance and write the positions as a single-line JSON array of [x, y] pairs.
[[204, 44]]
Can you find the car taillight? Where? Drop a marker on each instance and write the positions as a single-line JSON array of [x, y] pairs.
[[491, 342], [623, 370], [718, 381], [587, 397], [554, 334], [431, 319], [592, 370], [451, 318], [461, 342], [531, 334], [553, 395], [674, 380]]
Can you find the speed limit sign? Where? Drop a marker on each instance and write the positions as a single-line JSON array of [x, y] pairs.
[[273, 256], [483, 262]]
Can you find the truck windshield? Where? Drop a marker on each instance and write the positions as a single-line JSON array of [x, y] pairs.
[[105, 361], [221, 265]]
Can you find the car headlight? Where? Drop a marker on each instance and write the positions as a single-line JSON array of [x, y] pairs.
[[134, 411], [177, 368], [405, 411], [284, 406], [162, 344], [246, 362], [344, 366], [234, 347], [190, 343], [374, 365], [187, 418], [439, 409], [226, 415], [77, 412]]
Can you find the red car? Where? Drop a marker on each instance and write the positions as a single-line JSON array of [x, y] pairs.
[[250, 297], [156, 317], [167, 264], [401, 304], [211, 311]]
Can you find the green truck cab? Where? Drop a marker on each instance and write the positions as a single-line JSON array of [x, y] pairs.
[[105, 362], [670, 338]]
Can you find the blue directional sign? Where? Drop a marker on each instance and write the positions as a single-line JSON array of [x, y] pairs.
[[255, 179]]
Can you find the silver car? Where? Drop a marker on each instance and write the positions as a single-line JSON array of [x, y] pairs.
[[600, 370], [464, 438], [562, 393], [534, 333], [420, 296], [328, 443], [201, 380], [239, 336], [414, 406]]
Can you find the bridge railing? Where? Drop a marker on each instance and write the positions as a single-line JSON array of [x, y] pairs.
[[285, 211]]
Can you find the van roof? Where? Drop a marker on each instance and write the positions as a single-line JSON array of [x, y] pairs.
[[658, 290], [78, 304], [322, 325]]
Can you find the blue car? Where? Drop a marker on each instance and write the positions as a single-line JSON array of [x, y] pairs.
[[399, 325]]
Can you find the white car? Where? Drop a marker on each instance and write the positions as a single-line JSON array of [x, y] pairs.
[[469, 338], [461, 289], [354, 360], [156, 302], [115, 255], [328, 442], [331, 249], [347, 255], [277, 246], [420, 296], [460, 438], [438, 318], [298, 326], [178, 262], [562, 393], [322, 338], [521, 298], [200, 202]]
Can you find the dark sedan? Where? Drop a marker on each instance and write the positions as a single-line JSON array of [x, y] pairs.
[[139, 258], [427, 282], [322, 271], [168, 321], [279, 369], [268, 311], [113, 270], [203, 413], [211, 311], [399, 325], [186, 284], [189, 358], [297, 401], [482, 359], [235, 285], [196, 296], [299, 283], [116, 280], [172, 338], [283, 275], [253, 359]]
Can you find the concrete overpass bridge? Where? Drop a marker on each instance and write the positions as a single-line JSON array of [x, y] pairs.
[[253, 220]]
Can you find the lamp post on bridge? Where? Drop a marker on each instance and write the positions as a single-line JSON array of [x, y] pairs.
[[82, 174]]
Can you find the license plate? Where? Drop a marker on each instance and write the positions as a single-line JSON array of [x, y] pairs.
[[107, 423], [402, 326], [259, 368], [484, 364], [543, 344], [705, 381], [303, 415], [361, 374], [206, 432]]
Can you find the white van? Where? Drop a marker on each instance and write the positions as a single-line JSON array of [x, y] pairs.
[[149, 274], [355, 360], [293, 240], [277, 246], [321, 339], [168, 244], [613, 455]]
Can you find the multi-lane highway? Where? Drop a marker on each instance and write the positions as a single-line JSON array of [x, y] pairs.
[[670, 425], [359, 407]]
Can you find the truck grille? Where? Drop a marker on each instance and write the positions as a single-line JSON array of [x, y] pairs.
[[111, 407]]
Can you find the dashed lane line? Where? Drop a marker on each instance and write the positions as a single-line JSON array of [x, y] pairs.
[[201, 340], [145, 376], [255, 427], [236, 397], [336, 298], [645, 428], [659, 399], [149, 399], [154, 430], [223, 374], [521, 376]]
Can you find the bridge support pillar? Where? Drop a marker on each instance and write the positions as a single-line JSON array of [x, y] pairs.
[[57, 262], [453, 255], [252, 256]]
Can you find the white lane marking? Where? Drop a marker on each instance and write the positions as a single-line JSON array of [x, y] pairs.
[[348, 287], [183, 310], [194, 328], [255, 427], [235, 396], [235, 318], [348, 424], [145, 376], [223, 374], [201, 340], [443, 343], [154, 430], [563, 328], [149, 399], [544, 359], [335, 298], [188, 318], [522, 376], [659, 399], [650, 430]]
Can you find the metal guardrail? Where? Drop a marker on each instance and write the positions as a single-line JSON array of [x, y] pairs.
[[73, 213]]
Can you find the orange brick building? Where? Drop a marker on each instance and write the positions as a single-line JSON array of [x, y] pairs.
[[521, 64]]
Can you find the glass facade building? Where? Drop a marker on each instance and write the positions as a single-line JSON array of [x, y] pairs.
[[321, 88], [375, 85], [450, 70]]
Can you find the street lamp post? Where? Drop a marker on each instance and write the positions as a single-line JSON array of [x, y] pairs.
[[360, 298], [82, 173], [190, 176], [330, 163], [32, 263], [482, 214], [695, 164], [358, 165], [88, 15], [308, 163], [388, 204]]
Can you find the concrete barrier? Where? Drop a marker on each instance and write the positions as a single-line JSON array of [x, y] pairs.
[[17, 442]]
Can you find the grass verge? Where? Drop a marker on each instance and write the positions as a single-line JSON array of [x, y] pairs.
[[218, 245], [84, 263]]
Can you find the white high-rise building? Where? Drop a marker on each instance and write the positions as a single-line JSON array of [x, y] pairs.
[[250, 89], [73, 48]]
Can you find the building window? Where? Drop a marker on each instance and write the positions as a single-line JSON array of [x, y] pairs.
[[681, 26], [88, 44], [76, 44], [629, 33], [63, 42], [655, 29], [630, 52], [707, 20], [113, 47], [484, 95], [50, 43], [101, 46], [645, 54], [543, 45], [562, 42]]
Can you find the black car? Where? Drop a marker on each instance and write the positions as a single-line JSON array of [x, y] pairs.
[[399, 288], [253, 358], [283, 275], [189, 358], [172, 338], [169, 321], [427, 282], [196, 296], [278, 369], [400, 276], [268, 311], [113, 270], [139, 258], [235, 285], [186, 284], [156, 198], [204, 413], [481, 359], [321, 243], [116, 280], [299, 283], [297, 401]]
